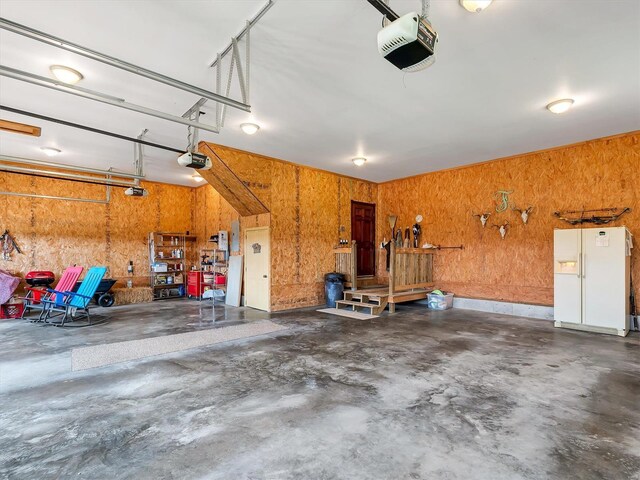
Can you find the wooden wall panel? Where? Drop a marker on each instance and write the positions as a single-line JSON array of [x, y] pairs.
[[595, 174], [55, 234], [307, 207]]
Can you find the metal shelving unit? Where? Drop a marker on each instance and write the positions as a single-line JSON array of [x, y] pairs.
[[167, 264], [213, 265]]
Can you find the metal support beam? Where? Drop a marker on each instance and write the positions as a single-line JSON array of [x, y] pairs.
[[90, 129], [66, 176], [66, 199], [64, 166], [236, 54], [229, 78], [243, 32], [97, 96], [218, 87], [196, 106], [115, 62], [138, 157]]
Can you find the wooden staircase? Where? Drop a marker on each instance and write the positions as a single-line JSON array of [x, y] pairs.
[[358, 301]]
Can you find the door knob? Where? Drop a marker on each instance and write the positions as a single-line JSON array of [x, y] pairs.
[[264, 276]]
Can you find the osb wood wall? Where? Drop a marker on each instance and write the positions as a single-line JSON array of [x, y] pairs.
[[595, 174], [55, 234], [307, 208], [211, 213]]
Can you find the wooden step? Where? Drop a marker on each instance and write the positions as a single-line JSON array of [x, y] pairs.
[[374, 308], [363, 299], [363, 296], [357, 304]]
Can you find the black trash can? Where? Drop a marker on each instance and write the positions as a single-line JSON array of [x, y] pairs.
[[333, 288]]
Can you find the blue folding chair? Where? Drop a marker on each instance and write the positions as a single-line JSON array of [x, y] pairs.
[[74, 305]]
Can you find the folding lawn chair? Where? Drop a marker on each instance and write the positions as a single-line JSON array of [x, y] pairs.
[[73, 305], [67, 281]]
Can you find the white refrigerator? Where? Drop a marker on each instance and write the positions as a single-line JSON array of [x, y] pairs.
[[592, 272]]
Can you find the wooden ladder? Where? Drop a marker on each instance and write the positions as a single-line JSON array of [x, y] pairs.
[[375, 302]]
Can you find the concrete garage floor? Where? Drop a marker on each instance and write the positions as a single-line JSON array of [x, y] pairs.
[[416, 395]]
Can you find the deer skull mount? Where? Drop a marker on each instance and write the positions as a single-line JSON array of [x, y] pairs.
[[524, 214], [502, 229], [484, 217]]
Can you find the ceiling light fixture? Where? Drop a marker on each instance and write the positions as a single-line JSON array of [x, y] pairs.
[[66, 74], [359, 161], [249, 128], [50, 151], [475, 6], [560, 106], [197, 177]]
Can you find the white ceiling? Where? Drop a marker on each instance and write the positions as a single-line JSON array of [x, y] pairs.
[[319, 89]]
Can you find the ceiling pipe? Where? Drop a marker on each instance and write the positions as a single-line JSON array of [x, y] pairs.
[[63, 166], [115, 62], [90, 129], [97, 96]]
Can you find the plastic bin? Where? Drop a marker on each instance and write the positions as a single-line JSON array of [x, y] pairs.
[[440, 302], [11, 310], [333, 288]]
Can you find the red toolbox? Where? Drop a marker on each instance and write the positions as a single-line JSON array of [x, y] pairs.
[[195, 284]]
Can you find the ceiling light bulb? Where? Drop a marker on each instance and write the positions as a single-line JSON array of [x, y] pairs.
[[249, 128], [66, 74], [475, 6], [50, 151], [197, 177], [560, 106], [359, 161]]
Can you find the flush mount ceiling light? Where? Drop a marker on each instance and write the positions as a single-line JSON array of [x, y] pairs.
[[560, 106], [359, 161], [197, 177], [249, 128], [50, 151], [66, 74], [475, 6]]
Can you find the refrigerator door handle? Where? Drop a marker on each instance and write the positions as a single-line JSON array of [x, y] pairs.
[[584, 265]]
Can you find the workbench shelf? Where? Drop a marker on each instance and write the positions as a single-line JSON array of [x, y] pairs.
[[168, 252]]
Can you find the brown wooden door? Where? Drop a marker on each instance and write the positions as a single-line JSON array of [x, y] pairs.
[[363, 231]]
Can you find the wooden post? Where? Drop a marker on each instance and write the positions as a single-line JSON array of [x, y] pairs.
[[392, 275], [354, 265]]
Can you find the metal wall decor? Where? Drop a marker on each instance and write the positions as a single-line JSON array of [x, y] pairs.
[[502, 197], [8, 245], [599, 216]]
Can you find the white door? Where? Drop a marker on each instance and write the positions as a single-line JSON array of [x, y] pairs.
[[603, 277], [567, 265], [257, 269]]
